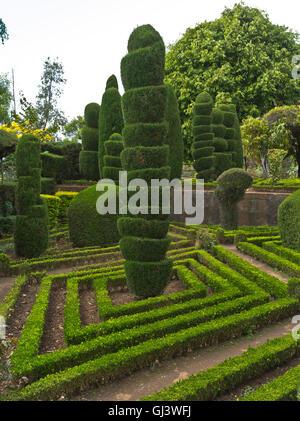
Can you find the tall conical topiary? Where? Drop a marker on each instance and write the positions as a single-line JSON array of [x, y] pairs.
[[174, 137], [110, 118], [112, 161], [144, 243], [31, 232], [203, 148], [88, 157]]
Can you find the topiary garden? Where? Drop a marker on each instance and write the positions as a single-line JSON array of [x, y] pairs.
[[91, 298]]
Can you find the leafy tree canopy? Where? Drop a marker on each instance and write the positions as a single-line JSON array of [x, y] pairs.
[[242, 56], [5, 99]]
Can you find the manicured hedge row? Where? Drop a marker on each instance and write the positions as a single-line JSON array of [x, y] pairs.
[[11, 298], [258, 241], [235, 278], [267, 282], [75, 334], [270, 258], [224, 377], [284, 252], [125, 361], [284, 388]]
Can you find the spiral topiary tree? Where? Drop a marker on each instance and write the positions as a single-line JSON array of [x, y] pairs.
[[174, 136], [145, 155], [112, 161], [231, 188], [202, 148], [223, 157], [31, 232], [233, 134], [88, 157], [110, 118]]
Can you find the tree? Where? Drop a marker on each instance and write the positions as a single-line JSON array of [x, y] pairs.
[[3, 31], [8, 141], [5, 99], [73, 128], [241, 55], [50, 89]]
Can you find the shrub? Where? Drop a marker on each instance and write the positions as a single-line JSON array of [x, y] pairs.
[[289, 221], [48, 185], [88, 157], [204, 240], [145, 106], [110, 118], [31, 232], [54, 166], [4, 263], [65, 199], [203, 135], [53, 208], [86, 226], [294, 287], [231, 188], [112, 161]]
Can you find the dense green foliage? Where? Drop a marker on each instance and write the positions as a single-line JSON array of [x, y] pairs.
[[110, 118], [5, 98], [54, 166], [31, 232], [174, 136], [242, 54], [146, 155], [289, 221], [88, 157], [231, 188], [86, 226], [203, 147], [112, 161], [8, 143]]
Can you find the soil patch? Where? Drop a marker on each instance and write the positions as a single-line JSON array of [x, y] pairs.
[[262, 266], [88, 306], [53, 337], [121, 295]]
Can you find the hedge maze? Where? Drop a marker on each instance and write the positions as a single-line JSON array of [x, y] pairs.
[[221, 297]]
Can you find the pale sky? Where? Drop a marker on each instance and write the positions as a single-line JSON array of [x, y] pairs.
[[89, 37]]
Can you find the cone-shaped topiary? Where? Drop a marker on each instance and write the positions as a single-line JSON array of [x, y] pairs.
[[202, 149], [231, 188], [112, 161], [88, 157], [289, 221], [31, 232], [143, 243], [110, 118]]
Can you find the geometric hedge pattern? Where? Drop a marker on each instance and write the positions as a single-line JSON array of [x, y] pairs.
[[224, 297]]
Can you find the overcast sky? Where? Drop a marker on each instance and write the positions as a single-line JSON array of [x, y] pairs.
[[89, 37]]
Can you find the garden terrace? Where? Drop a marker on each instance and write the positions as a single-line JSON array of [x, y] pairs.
[[85, 329]]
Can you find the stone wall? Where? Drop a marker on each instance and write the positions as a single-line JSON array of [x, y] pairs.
[[257, 208]]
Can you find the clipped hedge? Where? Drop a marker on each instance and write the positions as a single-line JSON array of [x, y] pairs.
[[289, 221], [86, 226], [88, 157], [146, 104], [110, 122]]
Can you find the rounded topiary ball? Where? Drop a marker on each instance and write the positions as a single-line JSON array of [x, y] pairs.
[[86, 226], [289, 221]]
